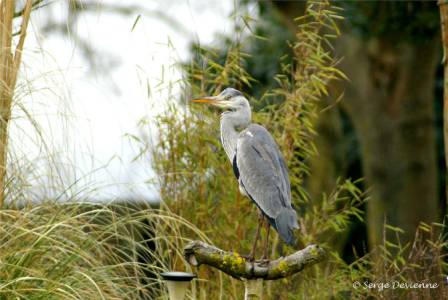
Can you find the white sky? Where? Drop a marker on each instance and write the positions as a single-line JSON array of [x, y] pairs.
[[84, 114]]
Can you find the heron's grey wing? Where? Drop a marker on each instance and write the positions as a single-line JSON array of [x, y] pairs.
[[264, 177], [262, 170]]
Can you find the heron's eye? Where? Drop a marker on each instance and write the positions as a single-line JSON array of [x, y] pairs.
[[228, 97]]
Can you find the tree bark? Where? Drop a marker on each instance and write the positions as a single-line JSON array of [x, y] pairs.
[[233, 264], [390, 101], [327, 166], [253, 289], [443, 5]]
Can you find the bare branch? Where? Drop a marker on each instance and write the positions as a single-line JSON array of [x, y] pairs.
[[199, 253]]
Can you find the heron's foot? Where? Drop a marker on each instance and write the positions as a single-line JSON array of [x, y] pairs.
[[263, 261], [249, 257], [265, 256]]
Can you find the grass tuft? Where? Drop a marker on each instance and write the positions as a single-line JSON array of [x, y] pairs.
[[89, 251]]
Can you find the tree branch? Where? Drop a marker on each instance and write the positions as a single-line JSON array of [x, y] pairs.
[[199, 253]]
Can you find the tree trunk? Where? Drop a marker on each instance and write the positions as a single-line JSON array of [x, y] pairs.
[[390, 101], [253, 289], [327, 166], [444, 26]]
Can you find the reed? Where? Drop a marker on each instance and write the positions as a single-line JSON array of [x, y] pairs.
[[10, 59]]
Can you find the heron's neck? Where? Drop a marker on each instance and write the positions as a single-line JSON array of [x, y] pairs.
[[231, 123]]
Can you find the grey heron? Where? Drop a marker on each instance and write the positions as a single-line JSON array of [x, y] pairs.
[[258, 165]]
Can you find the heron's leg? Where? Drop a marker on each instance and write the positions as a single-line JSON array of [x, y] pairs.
[[257, 236], [266, 242]]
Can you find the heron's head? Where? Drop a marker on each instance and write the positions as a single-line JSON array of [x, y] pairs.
[[229, 98]]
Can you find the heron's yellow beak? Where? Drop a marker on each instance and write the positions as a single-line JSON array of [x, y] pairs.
[[214, 100]]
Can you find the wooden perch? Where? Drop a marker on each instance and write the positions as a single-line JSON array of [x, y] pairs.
[[199, 253]]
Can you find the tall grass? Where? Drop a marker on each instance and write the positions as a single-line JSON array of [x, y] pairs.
[[89, 251]]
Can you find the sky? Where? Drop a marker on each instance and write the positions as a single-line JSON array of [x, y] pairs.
[[75, 117]]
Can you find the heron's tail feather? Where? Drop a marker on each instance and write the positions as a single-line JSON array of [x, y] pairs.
[[285, 223]]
